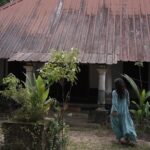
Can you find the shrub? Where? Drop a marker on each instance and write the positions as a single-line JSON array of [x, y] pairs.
[[142, 110], [33, 97]]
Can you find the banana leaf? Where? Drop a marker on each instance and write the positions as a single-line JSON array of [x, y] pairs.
[[133, 85]]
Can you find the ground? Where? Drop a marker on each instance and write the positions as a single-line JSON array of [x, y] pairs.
[[99, 139], [95, 137]]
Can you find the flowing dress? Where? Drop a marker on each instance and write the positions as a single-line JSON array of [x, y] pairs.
[[122, 124]]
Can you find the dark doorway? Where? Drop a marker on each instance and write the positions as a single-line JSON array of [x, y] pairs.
[[17, 69], [132, 70], [80, 91]]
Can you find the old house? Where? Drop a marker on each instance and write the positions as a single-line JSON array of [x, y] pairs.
[[110, 34]]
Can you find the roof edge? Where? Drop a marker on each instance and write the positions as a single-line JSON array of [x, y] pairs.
[[9, 4]]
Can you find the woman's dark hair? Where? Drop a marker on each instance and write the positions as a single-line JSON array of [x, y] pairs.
[[120, 87]]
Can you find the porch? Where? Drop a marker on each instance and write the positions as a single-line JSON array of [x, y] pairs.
[[93, 88]]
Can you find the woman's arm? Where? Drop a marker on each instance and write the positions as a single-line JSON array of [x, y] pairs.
[[114, 111]]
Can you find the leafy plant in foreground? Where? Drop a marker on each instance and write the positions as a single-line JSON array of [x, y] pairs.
[[32, 96], [142, 110], [61, 67]]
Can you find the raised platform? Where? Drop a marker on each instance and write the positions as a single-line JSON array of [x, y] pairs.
[[74, 119]]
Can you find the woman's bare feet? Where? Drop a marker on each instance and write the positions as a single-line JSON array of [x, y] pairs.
[[123, 141], [131, 143]]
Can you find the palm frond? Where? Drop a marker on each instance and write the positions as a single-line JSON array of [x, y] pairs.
[[147, 95], [132, 111], [142, 97], [137, 105], [133, 85]]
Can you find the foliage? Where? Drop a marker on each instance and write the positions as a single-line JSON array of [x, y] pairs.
[[14, 89], [33, 97], [142, 106], [62, 65], [7, 105], [39, 103], [55, 139], [60, 68], [2, 2]]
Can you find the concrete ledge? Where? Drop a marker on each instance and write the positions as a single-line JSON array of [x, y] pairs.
[[99, 115]]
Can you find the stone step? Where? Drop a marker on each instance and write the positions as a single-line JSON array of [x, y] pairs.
[[76, 115], [83, 124], [3, 117], [74, 119]]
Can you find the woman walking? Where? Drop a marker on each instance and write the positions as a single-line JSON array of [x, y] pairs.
[[121, 120]]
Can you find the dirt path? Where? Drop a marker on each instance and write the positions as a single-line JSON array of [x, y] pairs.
[[97, 139], [100, 139]]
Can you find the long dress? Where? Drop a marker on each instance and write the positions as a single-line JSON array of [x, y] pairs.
[[122, 124]]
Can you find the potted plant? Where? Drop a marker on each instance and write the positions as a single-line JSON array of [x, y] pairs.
[[28, 128]]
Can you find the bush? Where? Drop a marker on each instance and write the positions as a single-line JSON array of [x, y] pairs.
[[56, 135], [33, 98], [142, 111]]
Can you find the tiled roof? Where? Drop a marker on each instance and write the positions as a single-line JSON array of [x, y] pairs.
[[105, 31]]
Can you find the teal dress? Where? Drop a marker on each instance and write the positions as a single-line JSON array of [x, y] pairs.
[[121, 122]]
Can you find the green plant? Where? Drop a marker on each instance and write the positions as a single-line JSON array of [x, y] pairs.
[[33, 97], [62, 65], [55, 140], [60, 68], [13, 88], [2, 2], [142, 110], [39, 103], [13, 93]]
